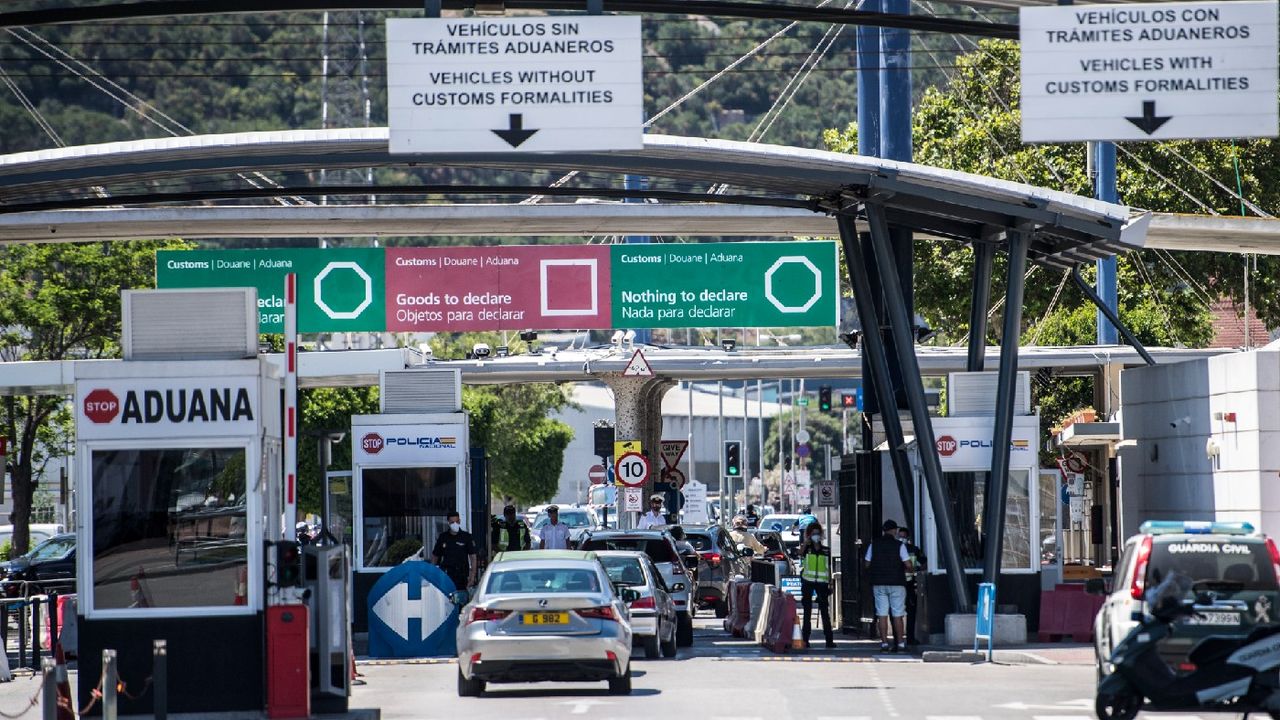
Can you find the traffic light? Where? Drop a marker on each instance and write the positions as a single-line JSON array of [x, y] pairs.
[[288, 564], [849, 400], [824, 398], [733, 458]]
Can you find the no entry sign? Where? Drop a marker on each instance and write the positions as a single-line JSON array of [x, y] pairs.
[[597, 474]]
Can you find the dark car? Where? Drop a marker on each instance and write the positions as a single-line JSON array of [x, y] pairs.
[[49, 566], [773, 541], [720, 562]]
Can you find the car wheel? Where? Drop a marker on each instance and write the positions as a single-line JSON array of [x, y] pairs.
[[722, 609], [621, 685], [669, 646], [651, 649], [684, 630], [469, 688]]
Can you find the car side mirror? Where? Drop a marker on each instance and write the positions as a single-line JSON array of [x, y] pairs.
[[1095, 586], [459, 598], [629, 595], [677, 588]]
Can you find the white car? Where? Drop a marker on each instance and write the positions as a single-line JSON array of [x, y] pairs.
[[545, 615], [653, 613], [1239, 566]]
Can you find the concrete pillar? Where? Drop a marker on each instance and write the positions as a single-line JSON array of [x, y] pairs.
[[638, 416]]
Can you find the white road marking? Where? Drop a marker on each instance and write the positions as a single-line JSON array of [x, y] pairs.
[[953, 717], [883, 692], [582, 707], [844, 717]]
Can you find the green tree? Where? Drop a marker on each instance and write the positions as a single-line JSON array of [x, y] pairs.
[[824, 432], [58, 302], [326, 411]]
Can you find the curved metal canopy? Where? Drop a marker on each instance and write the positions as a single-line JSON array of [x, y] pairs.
[[1067, 228]]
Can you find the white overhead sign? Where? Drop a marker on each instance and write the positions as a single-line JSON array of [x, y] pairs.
[[409, 445], [134, 409], [527, 84], [1152, 71]]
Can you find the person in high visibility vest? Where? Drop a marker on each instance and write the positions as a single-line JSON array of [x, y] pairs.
[[509, 533], [815, 580]]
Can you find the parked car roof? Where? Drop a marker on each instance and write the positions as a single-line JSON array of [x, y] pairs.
[[534, 555]]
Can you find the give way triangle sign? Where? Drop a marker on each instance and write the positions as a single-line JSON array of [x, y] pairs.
[[638, 366]]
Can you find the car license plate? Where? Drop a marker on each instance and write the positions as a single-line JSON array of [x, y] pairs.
[[546, 618], [1214, 618]]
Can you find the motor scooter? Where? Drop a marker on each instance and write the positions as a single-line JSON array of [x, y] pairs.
[[1238, 674]]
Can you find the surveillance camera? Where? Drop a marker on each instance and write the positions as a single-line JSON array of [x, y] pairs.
[[617, 337], [729, 344], [480, 350], [528, 335], [629, 336], [504, 350]]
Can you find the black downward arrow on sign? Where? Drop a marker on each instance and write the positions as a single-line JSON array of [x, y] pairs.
[[515, 134], [1149, 122]]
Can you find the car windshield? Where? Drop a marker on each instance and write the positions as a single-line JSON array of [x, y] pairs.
[[543, 580], [1245, 562], [781, 523], [700, 542], [658, 549], [572, 518], [623, 570], [52, 549]]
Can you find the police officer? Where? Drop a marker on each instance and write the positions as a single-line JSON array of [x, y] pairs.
[[654, 517], [815, 580], [917, 561], [455, 553], [508, 533]]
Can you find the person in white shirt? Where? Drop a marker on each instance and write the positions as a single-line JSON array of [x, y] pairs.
[[555, 535], [654, 517]]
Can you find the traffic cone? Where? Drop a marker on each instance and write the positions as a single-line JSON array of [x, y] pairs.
[[242, 587], [138, 590], [66, 707], [797, 641]]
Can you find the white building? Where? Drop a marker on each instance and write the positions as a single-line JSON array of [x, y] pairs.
[[1205, 441]]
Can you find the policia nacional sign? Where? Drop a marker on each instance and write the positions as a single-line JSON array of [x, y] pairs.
[[523, 84], [1149, 71]]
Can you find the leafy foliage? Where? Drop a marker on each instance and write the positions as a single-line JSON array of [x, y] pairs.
[[58, 302]]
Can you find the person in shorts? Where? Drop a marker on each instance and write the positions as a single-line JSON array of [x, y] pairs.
[[887, 562]]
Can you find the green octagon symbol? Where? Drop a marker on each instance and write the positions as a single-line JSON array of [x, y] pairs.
[[340, 290], [793, 284]]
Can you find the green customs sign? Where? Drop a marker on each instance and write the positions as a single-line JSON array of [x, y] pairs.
[[675, 285], [339, 289], [581, 287]]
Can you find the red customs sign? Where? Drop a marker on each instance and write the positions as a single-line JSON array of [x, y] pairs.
[[505, 288]]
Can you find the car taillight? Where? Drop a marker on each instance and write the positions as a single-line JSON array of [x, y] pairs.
[[599, 613], [485, 615], [1139, 582], [1275, 557], [644, 603], [777, 556], [712, 558]]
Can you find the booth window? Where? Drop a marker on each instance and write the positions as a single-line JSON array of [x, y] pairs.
[[169, 528], [405, 509], [1018, 527]]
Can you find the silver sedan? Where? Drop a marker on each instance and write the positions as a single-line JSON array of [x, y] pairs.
[[653, 614], [547, 615]]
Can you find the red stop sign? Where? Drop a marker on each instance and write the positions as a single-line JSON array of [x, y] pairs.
[[372, 443], [947, 446], [101, 405]]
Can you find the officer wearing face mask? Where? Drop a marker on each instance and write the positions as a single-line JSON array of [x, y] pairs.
[[455, 553], [815, 580]]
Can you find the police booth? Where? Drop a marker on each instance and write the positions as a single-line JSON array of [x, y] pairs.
[[411, 467], [964, 440], [177, 448]]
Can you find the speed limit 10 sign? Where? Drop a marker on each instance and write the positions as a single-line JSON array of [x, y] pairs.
[[632, 469]]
